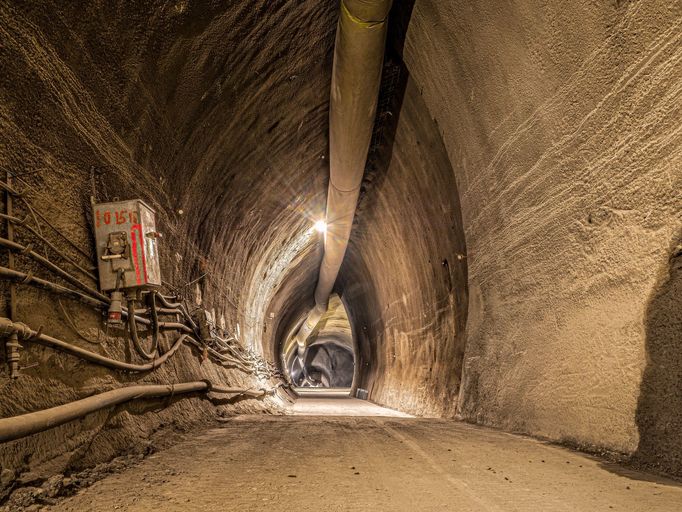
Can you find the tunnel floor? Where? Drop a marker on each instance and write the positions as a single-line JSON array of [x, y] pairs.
[[325, 403], [313, 462]]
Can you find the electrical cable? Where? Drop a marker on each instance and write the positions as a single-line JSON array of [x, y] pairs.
[[72, 324], [16, 247], [26, 334], [132, 330]]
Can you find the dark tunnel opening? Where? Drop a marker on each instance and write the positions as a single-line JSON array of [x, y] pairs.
[[331, 355]]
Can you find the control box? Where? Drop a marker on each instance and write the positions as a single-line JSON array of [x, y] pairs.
[[127, 245]]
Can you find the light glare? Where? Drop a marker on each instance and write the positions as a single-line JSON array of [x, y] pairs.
[[320, 226]]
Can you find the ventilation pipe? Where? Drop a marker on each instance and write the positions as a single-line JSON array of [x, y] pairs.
[[356, 76]]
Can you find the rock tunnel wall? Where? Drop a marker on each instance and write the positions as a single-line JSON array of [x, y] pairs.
[[404, 278], [562, 124], [215, 115]]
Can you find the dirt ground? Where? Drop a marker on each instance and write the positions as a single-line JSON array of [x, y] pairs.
[[379, 462]]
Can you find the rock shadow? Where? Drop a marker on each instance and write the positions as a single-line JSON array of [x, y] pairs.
[[659, 409]]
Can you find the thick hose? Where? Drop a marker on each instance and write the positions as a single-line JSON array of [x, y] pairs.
[[38, 421], [132, 330], [34, 422], [25, 333], [356, 77], [175, 326], [177, 305]]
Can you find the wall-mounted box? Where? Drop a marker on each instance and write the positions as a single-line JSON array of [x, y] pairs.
[[127, 245]]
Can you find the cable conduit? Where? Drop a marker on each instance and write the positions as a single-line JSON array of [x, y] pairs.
[[24, 425], [26, 334], [18, 248]]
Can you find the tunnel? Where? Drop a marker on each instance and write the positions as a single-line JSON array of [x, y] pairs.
[[329, 361], [341, 255]]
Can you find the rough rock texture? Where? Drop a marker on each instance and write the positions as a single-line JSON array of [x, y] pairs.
[[660, 400], [212, 113], [376, 463], [545, 133], [404, 277], [562, 123]]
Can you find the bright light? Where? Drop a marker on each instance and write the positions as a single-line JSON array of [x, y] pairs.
[[320, 226]]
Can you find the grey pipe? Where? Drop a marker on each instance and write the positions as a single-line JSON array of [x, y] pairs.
[[356, 77], [25, 333], [26, 424], [38, 421]]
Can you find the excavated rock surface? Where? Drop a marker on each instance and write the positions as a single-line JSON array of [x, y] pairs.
[[404, 276], [377, 463], [215, 115], [516, 237], [562, 123]]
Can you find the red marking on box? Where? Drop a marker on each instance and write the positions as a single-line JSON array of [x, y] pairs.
[[136, 263]]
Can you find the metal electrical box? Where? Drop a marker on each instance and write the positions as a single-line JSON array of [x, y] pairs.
[[127, 247]]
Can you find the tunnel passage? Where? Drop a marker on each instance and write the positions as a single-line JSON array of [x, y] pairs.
[[516, 211], [330, 357]]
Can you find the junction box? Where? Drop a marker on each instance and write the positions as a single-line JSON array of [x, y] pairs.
[[127, 246]]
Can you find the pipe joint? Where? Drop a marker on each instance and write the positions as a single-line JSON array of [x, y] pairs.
[[13, 346], [209, 385], [21, 330], [342, 191], [366, 12]]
